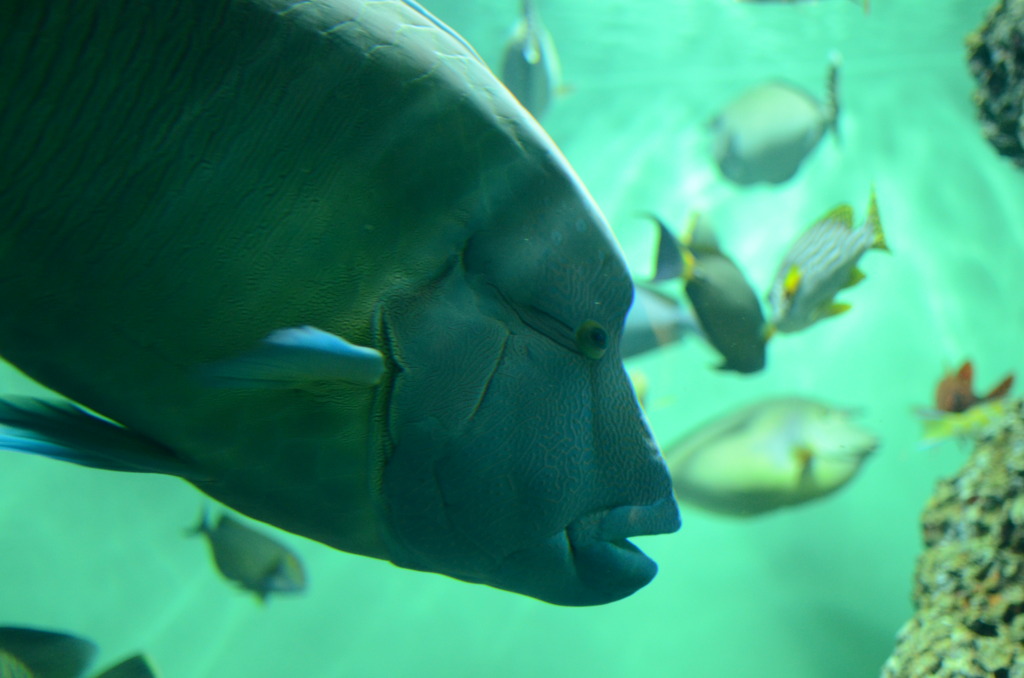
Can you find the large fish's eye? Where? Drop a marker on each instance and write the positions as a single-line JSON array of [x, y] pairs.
[[591, 339]]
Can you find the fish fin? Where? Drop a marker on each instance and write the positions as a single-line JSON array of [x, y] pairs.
[[804, 456], [700, 237], [832, 101], [840, 213], [966, 374], [690, 266], [1001, 389], [874, 222], [837, 308], [856, 275], [136, 666], [791, 283], [668, 263], [64, 431], [203, 526], [768, 331], [296, 357]]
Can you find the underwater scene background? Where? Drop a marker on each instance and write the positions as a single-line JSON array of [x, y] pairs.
[[814, 590]]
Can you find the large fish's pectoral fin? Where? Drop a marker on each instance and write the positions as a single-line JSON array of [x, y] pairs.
[[298, 356], [61, 430]]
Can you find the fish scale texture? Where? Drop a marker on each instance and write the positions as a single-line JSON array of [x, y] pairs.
[[969, 586], [996, 59]]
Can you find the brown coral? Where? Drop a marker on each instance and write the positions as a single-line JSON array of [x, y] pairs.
[[996, 59], [969, 588]]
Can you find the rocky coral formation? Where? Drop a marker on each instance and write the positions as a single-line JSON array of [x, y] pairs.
[[969, 588], [996, 58]]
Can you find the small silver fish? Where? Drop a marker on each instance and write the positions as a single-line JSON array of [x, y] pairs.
[[820, 263], [773, 453], [654, 320], [765, 134], [251, 559], [530, 68]]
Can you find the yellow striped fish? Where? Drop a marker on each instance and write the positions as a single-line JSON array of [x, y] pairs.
[[820, 263]]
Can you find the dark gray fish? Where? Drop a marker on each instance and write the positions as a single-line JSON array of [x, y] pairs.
[[765, 134], [723, 300], [251, 559], [530, 67], [46, 654]]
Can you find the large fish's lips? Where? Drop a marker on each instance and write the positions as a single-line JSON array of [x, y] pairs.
[[590, 562], [604, 558]]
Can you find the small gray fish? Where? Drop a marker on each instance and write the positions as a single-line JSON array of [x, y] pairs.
[[251, 559], [530, 67], [723, 300], [820, 263], [654, 320], [42, 653], [765, 134], [37, 653]]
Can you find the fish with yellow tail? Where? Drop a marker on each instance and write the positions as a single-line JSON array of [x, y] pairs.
[[821, 263], [725, 304], [251, 559], [773, 453]]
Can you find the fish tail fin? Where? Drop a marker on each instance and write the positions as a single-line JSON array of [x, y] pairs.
[[832, 102], [203, 526], [1001, 389], [874, 222], [668, 263]]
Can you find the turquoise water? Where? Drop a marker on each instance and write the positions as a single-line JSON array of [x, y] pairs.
[[817, 590]]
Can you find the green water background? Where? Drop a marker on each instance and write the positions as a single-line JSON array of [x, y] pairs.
[[816, 591]]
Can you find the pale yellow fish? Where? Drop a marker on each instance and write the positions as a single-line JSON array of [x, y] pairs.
[[772, 453]]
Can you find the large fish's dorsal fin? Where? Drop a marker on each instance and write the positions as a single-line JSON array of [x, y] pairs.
[[668, 262], [296, 357], [61, 430], [874, 222]]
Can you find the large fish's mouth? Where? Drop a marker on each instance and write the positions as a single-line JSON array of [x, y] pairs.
[[591, 562]]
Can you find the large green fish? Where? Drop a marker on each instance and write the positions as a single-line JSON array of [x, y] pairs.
[[314, 258]]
